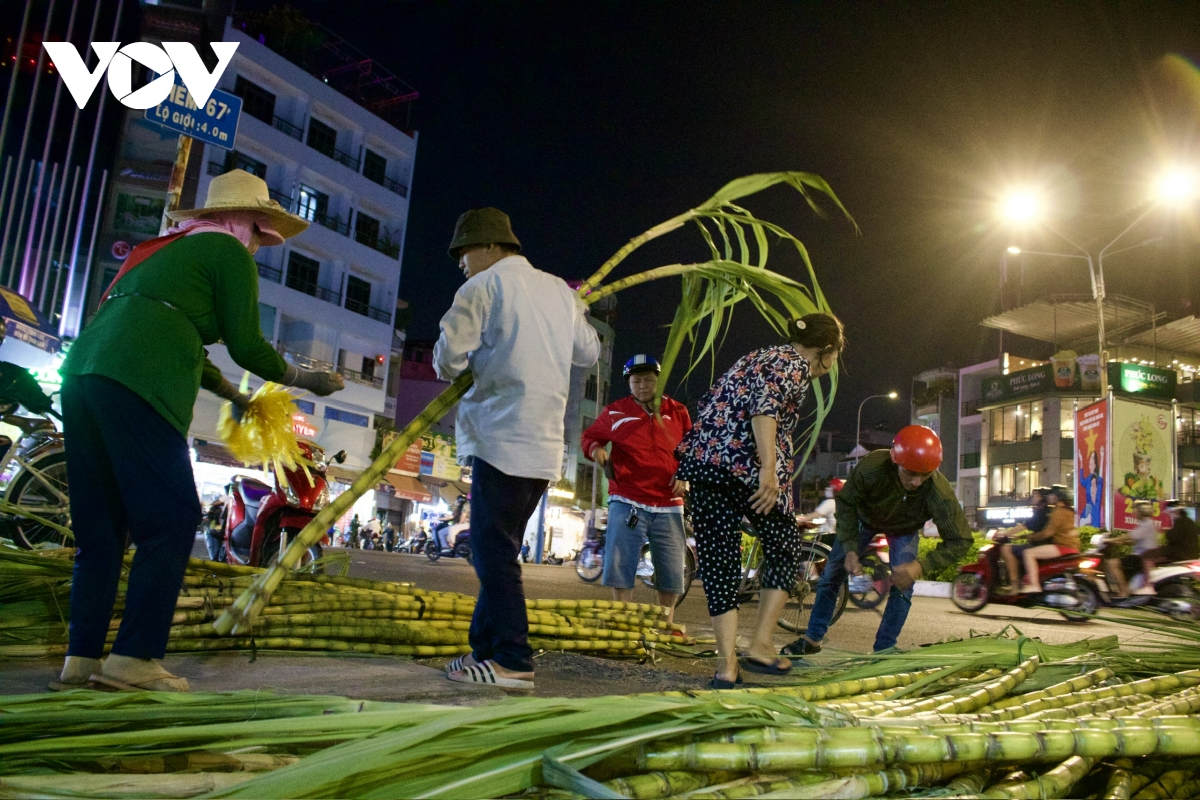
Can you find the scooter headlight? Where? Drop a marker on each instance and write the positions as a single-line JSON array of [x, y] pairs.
[[322, 499]]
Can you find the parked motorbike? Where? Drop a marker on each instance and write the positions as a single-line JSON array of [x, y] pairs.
[[413, 544], [33, 471], [460, 537], [1176, 586], [873, 586], [261, 520], [1065, 586]]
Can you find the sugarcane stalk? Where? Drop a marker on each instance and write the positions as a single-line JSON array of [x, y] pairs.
[[761, 785], [1167, 787], [654, 785], [1120, 779], [1078, 683], [195, 761], [119, 786], [1053, 783], [241, 615], [1185, 702], [945, 704], [969, 783]]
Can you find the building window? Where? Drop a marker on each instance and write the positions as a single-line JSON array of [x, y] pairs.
[[587, 423], [266, 321], [1014, 481], [1189, 432], [312, 205], [256, 101], [303, 273], [366, 229], [306, 406], [589, 387], [235, 160], [1017, 423], [374, 167], [358, 296], [348, 417], [322, 138], [583, 482], [1066, 419]]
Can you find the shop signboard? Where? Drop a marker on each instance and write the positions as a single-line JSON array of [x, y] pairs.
[[439, 457], [1142, 380], [1003, 516], [302, 427], [409, 462], [1143, 460], [1091, 464], [1066, 372]]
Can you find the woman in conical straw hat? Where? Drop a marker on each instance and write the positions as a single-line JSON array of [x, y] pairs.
[[129, 385]]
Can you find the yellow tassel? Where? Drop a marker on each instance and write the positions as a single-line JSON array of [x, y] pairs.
[[265, 434]]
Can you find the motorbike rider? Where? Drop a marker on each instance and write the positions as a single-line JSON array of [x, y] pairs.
[[893, 493], [1144, 539], [1058, 537], [645, 500], [441, 531], [1183, 537]]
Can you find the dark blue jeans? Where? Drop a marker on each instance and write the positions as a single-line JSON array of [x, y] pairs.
[[501, 506], [129, 473], [902, 549]]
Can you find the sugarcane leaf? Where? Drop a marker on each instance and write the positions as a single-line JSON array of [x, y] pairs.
[[556, 773]]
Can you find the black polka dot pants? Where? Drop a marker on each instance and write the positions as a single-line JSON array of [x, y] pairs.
[[717, 511]]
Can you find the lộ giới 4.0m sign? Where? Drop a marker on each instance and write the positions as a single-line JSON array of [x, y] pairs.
[[216, 122]]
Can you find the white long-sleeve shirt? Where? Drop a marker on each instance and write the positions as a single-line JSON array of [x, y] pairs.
[[519, 330]]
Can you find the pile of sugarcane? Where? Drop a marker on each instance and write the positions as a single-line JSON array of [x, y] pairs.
[[999, 717], [317, 612]]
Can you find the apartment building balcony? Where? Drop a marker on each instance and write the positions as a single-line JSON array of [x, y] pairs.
[[358, 307], [316, 365]]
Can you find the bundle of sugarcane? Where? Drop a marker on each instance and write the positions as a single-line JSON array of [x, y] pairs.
[[738, 244], [918, 730], [319, 612]]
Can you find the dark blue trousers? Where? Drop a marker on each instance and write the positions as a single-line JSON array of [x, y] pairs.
[[501, 506], [129, 473]]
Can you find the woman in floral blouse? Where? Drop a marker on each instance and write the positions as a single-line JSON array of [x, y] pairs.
[[738, 458]]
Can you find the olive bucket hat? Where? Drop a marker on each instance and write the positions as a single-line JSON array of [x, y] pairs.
[[482, 226]]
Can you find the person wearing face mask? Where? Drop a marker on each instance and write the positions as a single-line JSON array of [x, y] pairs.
[[519, 331], [893, 492], [645, 501], [129, 386], [738, 460]]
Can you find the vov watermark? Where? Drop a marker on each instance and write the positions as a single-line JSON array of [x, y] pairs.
[[118, 62]]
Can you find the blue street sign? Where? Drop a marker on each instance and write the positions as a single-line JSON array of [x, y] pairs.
[[216, 123]]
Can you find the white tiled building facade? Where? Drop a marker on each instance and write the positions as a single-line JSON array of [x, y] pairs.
[[328, 296]]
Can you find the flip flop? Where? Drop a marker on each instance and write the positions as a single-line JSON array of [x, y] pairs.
[[61, 686], [160, 684], [721, 683], [800, 647], [485, 673], [753, 665]]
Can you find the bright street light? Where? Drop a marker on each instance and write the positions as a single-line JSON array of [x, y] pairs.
[[858, 430], [1021, 207], [1016, 251], [1177, 186], [893, 395]]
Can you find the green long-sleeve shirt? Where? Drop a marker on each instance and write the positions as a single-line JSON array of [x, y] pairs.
[[150, 334], [873, 495]]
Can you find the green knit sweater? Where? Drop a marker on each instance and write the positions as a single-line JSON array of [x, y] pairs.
[[150, 334]]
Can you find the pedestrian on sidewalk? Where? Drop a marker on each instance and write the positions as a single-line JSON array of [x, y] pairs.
[[738, 460], [891, 492], [129, 385], [519, 331], [645, 501]]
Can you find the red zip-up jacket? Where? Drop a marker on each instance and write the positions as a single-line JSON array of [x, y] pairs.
[[643, 452]]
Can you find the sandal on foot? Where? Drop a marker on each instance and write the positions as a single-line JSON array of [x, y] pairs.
[[485, 673], [800, 647], [459, 663], [721, 683], [775, 667], [161, 684]]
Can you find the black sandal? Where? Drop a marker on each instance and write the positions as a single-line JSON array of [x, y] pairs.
[[752, 664], [800, 647], [721, 683]]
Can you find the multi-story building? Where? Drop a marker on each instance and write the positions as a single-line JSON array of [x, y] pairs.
[[935, 405], [590, 392], [327, 298]]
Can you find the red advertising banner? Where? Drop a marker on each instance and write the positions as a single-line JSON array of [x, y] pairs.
[[410, 461], [1091, 466]]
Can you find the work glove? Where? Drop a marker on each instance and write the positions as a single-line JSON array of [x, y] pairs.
[[321, 384], [239, 400]]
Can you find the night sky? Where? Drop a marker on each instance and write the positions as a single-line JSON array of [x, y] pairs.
[[589, 122]]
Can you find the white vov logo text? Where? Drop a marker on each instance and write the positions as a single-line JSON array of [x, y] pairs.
[[118, 61]]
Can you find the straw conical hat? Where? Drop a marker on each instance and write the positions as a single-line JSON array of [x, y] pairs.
[[238, 190]]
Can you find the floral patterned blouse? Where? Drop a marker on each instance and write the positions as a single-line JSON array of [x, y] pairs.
[[770, 382]]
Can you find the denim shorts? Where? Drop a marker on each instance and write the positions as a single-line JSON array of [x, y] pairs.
[[623, 547]]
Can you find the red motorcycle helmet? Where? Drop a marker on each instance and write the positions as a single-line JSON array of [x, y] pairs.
[[917, 448], [836, 484]]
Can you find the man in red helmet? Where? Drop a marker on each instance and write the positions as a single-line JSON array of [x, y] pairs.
[[892, 493]]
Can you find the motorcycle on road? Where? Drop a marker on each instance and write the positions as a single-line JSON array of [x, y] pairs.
[[1065, 586]]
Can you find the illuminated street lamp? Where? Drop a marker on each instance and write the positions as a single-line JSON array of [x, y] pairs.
[[1021, 208], [858, 448]]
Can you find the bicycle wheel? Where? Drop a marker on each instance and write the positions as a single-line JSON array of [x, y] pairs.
[[794, 618], [590, 565], [31, 490], [880, 577]]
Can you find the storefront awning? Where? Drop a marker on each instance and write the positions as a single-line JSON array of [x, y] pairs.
[[341, 474], [408, 488], [214, 453]]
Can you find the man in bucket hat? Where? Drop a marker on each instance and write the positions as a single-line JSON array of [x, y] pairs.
[[129, 385], [519, 331]]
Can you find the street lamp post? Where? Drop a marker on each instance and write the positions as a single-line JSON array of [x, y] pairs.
[[858, 430]]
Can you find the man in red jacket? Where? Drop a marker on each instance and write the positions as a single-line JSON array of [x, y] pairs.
[[645, 502]]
